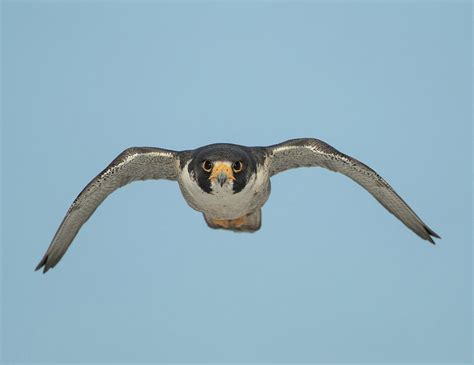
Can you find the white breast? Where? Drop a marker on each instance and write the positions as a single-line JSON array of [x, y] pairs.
[[222, 203]]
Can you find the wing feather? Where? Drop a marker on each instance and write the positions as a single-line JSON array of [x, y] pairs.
[[136, 163], [313, 152]]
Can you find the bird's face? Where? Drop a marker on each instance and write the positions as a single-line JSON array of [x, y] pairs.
[[222, 168]]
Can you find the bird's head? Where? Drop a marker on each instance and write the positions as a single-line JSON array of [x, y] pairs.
[[222, 168]]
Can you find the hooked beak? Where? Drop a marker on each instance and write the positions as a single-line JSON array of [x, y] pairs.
[[221, 173], [221, 178]]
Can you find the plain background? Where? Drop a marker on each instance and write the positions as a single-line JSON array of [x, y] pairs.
[[331, 276]]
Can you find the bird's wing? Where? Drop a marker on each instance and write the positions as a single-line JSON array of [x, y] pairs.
[[136, 163], [313, 152]]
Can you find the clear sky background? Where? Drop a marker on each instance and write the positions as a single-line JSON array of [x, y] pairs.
[[331, 276]]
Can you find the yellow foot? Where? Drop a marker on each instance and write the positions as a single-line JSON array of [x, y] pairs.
[[230, 223]]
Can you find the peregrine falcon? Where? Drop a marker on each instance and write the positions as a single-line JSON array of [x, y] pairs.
[[228, 183]]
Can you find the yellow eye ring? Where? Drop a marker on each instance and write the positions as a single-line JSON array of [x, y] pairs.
[[207, 166], [237, 166]]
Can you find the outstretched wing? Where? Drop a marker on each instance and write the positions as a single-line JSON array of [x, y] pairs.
[[313, 152], [136, 163]]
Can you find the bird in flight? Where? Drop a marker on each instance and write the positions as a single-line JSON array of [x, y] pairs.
[[228, 183]]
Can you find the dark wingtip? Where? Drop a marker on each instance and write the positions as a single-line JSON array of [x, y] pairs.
[[431, 234], [43, 263]]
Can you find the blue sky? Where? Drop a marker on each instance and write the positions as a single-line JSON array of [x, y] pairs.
[[331, 276]]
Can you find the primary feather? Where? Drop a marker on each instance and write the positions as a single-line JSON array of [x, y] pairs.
[[137, 163], [313, 152]]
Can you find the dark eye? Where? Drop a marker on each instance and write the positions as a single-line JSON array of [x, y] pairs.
[[207, 166], [237, 166]]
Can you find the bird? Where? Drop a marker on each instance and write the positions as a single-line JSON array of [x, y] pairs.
[[227, 183]]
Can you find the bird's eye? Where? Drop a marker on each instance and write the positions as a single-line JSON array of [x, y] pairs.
[[237, 166], [207, 166]]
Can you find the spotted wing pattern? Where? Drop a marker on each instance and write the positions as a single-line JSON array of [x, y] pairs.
[[312, 152], [136, 163]]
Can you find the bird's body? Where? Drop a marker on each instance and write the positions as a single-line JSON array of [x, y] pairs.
[[228, 183], [221, 202]]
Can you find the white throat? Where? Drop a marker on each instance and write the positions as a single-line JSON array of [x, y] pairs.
[[222, 202]]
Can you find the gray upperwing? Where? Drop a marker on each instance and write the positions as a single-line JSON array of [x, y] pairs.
[[136, 163], [313, 152]]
